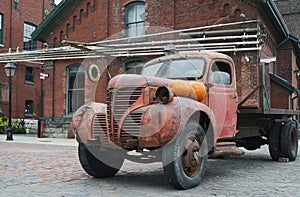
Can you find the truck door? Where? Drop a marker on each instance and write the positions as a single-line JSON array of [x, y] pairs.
[[223, 97]]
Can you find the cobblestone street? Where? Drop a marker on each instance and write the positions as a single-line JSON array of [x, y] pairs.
[[54, 170]]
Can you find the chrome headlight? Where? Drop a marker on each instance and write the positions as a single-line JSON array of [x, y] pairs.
[[164, 94]]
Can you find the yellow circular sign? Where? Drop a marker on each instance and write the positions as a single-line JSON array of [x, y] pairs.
[[94, 73]]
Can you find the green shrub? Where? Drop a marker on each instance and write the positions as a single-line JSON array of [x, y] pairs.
[[14, 125]]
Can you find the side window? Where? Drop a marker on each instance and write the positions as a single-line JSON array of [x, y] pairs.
[[220, 73]]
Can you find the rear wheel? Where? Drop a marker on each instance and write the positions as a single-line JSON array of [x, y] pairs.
[[289, 141], [274, 140], [94, 166], [184, 160]]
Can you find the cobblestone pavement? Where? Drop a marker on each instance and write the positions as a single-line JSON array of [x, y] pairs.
[[54, 170]]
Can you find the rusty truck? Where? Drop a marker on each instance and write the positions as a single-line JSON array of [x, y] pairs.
[[182, 109]]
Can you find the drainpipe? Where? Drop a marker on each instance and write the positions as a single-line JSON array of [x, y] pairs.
[[108, 17], [10, 28], [43, 9], [275, 64], [53, 88]]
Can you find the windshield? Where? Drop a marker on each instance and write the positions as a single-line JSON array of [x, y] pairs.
[[173, 69]]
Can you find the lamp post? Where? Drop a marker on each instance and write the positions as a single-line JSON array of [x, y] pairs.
[[10, 70]]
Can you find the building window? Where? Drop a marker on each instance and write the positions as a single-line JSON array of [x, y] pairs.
[[134, 66], [75, 84], [135, 19], [1, 28], [29, 107], [29, 77], [29, 44]]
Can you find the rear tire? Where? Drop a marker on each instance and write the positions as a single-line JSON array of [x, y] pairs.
[[274, 140], [289, 141], [184, 160], [95, 167]]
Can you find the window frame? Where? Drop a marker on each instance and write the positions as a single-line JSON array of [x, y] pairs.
[[218, 64], [1, 27], [129, 61], [29, 77], [136, 22], [29, 108], [30, 44], [73, 73]]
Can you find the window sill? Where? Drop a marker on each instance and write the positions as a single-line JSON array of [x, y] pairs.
[[29, 115], [29, 83]]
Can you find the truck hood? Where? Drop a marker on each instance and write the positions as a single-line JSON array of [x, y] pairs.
[[191, 89], [131, 80]]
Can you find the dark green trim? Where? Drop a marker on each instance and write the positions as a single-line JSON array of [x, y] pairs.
[[59, 15], [284, 83], [271, 10]]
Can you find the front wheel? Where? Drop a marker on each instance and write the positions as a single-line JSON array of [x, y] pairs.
[[93, 165], [184, 160]]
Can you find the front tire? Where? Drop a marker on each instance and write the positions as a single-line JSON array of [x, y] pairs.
[[184, 160], [94, 166]]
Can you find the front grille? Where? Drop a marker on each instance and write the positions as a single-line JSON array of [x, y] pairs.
[[118, 102], [131, 127], [99, 127]]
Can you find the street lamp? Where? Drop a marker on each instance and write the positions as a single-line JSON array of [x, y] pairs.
[[10, 70]]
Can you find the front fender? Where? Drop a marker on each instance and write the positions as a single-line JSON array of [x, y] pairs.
[[193, 110], [163, 122], [82, 120]]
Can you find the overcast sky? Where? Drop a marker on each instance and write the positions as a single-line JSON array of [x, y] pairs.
[[57, 1]]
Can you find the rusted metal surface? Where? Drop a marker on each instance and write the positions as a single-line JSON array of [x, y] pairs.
[[137, 120], [226, 149], [82, 120]]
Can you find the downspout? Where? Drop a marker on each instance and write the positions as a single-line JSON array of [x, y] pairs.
[[275, 64], [43, 9], [53, 88], [174, 14], [107, 26], [10, 28]]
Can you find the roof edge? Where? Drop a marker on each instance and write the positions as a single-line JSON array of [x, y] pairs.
[[50, 22]]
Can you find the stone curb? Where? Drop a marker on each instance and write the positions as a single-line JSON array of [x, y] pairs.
[[33, 139]]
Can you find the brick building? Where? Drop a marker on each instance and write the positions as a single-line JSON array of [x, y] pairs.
[[79, 76], [290, 11], [18, 19]]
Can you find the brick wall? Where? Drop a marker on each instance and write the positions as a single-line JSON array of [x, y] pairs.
[[96, 21], [14, 15]]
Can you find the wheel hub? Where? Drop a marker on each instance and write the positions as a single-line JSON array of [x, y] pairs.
[[191, 160]]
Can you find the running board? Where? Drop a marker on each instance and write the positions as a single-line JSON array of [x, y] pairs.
[[226, 149]]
